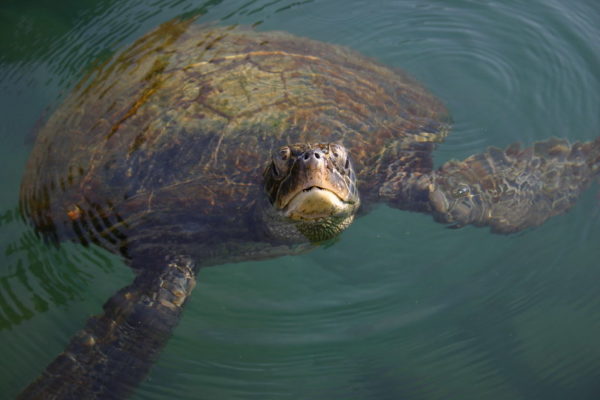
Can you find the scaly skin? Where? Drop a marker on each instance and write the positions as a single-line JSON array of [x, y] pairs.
[[108, 358], [514, 189], [507, 190], [159, 155]]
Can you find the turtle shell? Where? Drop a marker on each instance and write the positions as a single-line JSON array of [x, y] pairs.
[[172, 134]]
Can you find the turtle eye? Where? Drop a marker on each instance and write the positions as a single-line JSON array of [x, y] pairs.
[[280, 163], [284, 153], [335, 149], [339, 155]]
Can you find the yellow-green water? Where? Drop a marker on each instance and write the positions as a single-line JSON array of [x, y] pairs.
[[399, 307]]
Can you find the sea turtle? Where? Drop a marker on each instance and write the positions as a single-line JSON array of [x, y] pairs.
[[202, 145]]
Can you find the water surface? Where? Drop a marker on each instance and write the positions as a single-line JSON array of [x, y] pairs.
[[399, 307]]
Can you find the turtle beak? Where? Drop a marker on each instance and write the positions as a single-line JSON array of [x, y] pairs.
[[314, 203], [314, 188]]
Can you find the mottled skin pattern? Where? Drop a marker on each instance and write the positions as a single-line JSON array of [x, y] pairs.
[[293, 209], [161, 153]]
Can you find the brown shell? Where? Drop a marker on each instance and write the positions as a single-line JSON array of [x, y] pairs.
[[181, 124]]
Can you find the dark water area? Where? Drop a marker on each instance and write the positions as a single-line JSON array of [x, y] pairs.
[[399, 307]]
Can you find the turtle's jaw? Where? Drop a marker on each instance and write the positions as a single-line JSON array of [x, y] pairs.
[[312, 192], [314, 203]]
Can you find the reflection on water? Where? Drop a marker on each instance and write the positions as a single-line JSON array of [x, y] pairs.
[[399, 307], [37, 277]]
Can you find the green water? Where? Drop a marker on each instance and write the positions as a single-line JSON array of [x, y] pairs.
[[399, 307]]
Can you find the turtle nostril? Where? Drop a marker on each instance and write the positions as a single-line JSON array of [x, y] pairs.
[[312, 156]]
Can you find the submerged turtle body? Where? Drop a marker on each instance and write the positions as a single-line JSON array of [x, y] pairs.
[[197, 146], [173, 133]]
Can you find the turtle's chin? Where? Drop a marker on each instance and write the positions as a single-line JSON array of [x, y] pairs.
[[314, 214], [314, 204], [319, 214]]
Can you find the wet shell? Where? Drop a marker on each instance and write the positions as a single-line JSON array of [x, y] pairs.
[[174, 132]]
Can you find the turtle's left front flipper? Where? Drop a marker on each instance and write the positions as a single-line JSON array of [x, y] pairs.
[[114, 352], [513, 189]]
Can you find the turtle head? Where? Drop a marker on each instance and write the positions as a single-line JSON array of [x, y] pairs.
[[312, 191]]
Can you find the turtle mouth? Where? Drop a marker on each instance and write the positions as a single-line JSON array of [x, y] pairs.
[[313, 203]]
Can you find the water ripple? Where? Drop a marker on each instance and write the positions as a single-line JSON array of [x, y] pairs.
[[533, 68], [400, 307]]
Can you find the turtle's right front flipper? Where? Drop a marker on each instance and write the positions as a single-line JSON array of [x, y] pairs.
[[513, 189], [114, 352]]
